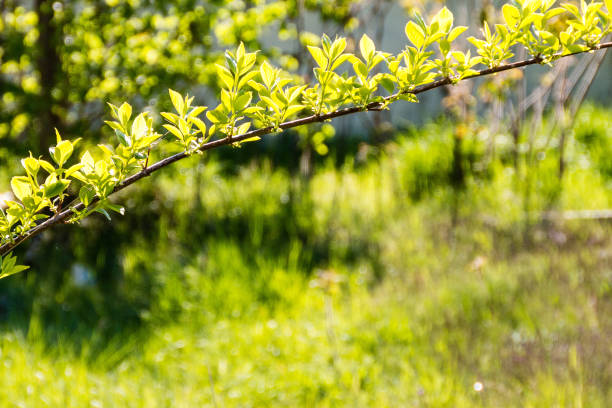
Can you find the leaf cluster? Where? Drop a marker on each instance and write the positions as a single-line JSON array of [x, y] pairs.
[[269, 98]]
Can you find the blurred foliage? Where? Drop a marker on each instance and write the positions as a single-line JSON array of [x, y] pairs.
[[271, 103], [61, 60], [379, 281], [208, 294]]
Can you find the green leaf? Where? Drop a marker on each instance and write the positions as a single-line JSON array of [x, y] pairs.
[[73, 169], [31, 166], [115, 125], [47, 166], [61, 152], [360, 69], [225, 75], [170, 117], [445, 19], [572, 9], [8, 266], [456, 32], [240, 52], [242, 129], [21, 187], [139, 127], [366, 47], [388, 84], [104, 212], [292, 110], [123, 138], [414, 34], [177, 101], [340, 60], [114, 207], [246, 78], [86, 195], [459, 56], [555, 12], [267, 74], [200, 125], [114, 110], [242, 101], [87, 160], [196, 111], [217, 116], [337, 48], [14, 270], [444, 46], [326, 42], [125, 111], [174, 130], [183, 127], [319, 56], [512, 15], [231, 62], [226, 100], [271, 103], [56, 188]]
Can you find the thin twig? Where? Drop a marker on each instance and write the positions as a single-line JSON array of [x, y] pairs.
[[374, 106]]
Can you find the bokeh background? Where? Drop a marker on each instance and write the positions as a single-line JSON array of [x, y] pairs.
[[455, 252]]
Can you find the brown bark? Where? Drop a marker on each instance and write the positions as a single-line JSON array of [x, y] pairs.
[[48, 65]]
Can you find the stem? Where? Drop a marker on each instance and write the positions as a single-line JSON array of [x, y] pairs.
[[373, 106]]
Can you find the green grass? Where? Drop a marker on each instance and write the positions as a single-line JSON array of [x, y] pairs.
[[359, 288], [532, 328]]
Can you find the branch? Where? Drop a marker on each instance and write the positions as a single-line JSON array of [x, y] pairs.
[[63, 216]]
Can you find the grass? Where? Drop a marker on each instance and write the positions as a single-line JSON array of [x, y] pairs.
[[533, 329], [358, 288]]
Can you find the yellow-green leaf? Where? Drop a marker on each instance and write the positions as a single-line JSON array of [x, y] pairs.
[[512, 15], [177, 101], [319, 57], [21, 187], [125, 111], [414, 34]]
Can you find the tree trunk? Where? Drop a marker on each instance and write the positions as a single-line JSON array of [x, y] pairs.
[[49, 64]]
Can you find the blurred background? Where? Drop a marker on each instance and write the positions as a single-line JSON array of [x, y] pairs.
[[455, 252]]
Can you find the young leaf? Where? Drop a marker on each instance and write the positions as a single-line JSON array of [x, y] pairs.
[[267, 74], [414, 34], [86, 195], [366, 47], [125, 111], [56, 188], [47, 166], [242, 101], [170, 117], [200, 125], [21, 187], [177, 101], [456, 32], [319, 56], [217, 116], [226, 76], [139, 127], [31, 166], [174, 130], [123, 138], [445, 20], [8, 266], [72, 169]]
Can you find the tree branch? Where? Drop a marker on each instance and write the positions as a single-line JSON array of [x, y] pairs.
[[65, 215]]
